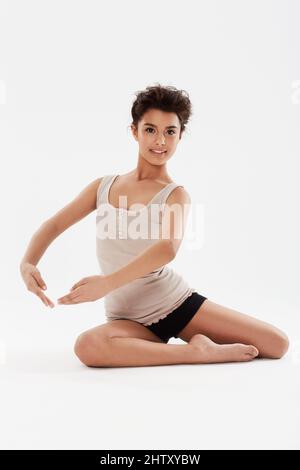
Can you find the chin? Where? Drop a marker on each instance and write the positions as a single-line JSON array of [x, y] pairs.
[[155, 162]]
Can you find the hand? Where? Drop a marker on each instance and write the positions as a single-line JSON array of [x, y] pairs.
[[34, 282], [87, 289]]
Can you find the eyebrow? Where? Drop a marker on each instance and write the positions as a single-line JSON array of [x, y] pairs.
[[153, 125]]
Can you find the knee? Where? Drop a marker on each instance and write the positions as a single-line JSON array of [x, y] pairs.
[[89, 350], [278, 344]]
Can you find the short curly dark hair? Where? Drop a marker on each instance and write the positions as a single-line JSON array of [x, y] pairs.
[[166, 98]]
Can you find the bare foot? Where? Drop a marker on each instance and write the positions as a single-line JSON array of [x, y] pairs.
[[206, 351]]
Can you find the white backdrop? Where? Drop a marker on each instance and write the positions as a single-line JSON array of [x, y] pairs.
[[68, 74]]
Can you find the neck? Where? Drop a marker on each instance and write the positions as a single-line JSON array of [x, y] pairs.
[[145, 171]]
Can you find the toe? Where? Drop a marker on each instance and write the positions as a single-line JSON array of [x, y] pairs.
[[252, 351]]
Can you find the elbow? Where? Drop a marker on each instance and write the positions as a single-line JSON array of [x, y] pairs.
[[170, 249], [51, 227]]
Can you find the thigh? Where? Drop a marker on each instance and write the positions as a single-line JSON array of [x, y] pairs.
[[122, 328], [225, 325]]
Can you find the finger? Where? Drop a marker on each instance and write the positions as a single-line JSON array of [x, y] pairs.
[[77, 299], [66, 302], [70, 296], [71, 302], [78, 284], [37, 276], [63, 299], [50, 302], [68, 299], [43, 298]]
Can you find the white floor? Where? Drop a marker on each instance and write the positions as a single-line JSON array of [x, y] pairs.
[[49, 400]]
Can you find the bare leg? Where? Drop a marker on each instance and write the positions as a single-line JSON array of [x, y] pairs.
[[140, 352], [225, 325], [200, 350], [111, 345]]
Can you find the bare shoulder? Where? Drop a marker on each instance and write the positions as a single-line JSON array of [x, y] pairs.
[[83, 204], [179, 195], [87, 197], [93, 188]]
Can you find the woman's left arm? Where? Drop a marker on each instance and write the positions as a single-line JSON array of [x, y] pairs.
[[152, 258], [173, 224]]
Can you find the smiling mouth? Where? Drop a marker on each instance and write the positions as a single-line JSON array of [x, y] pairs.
[[158, 152]]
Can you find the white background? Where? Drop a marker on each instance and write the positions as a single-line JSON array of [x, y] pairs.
[[68, 74]]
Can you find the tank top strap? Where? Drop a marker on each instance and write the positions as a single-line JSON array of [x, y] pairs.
[[103, 189], [107, 180], [162, 196]]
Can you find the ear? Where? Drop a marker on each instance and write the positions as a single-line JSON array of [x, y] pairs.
[[134, 131]]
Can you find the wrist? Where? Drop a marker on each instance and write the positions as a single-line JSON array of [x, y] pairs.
[[22, 266], [25, 265], [112, 281]]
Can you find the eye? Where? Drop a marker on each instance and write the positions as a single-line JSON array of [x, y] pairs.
[[170, 130]]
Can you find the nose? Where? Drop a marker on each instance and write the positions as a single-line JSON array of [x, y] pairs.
[[160, 141]]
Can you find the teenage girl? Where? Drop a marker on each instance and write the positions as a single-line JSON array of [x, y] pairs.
[[146, 302]]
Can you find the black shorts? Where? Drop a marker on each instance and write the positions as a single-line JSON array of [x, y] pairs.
[[175, 321]]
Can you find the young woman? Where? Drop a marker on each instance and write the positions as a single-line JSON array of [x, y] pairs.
[[146, 302]]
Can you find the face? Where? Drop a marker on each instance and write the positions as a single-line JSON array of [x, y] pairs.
[[157, 130]]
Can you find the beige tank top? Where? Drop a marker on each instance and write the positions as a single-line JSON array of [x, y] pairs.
[[153, 296]]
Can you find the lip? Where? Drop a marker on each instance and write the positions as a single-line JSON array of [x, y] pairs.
[[159, 150]]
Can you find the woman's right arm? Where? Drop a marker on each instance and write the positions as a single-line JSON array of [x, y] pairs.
[[77, 209]]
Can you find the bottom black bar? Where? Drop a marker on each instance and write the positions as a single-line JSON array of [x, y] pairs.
[[142, 458]]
